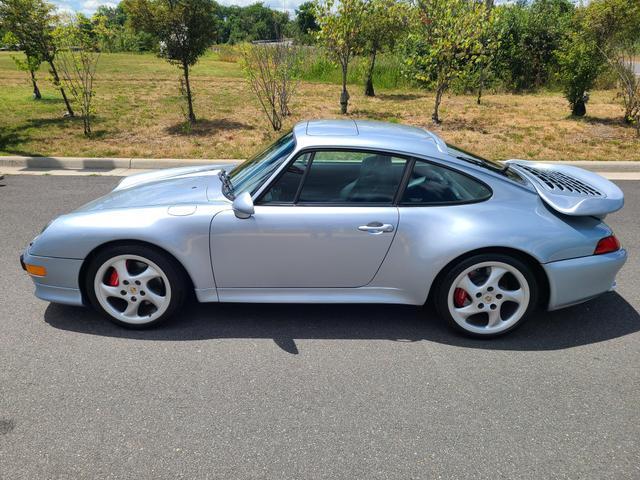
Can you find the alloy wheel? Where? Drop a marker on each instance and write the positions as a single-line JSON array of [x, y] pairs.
[[132, 289], [488, 297]]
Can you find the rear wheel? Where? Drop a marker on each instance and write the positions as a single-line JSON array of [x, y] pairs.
[[135, 286], [487, 295]]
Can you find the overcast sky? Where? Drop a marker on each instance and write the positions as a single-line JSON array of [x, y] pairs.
[[89, 6]]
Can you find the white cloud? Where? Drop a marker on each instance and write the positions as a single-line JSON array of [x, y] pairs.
[[65, 7], [88, 7]]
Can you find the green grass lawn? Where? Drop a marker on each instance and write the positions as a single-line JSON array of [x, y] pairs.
[[139, 113]]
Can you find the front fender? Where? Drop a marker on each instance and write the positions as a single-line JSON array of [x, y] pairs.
[[186, 237]]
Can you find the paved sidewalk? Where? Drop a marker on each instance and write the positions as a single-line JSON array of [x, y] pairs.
[[120, 167]]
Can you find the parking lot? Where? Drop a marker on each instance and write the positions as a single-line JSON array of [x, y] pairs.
[[308, 391]]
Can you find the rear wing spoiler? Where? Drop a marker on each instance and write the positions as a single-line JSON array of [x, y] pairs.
[[571, 190]]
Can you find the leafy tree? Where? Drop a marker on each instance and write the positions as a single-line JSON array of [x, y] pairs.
[[77, 60], [114, 16], [385, 21], [254, 22], [445, 44], [270, 70], [32, 24], [341, 33], [30, 63], [616, 25], [490, 43], [531, 33], [183, 29], [580, 62], [305, 21], [114, 33]]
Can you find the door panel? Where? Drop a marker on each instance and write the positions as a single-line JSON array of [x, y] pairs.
[[301, 246]]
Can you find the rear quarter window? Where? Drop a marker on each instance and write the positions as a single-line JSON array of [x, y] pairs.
[[431, 184]]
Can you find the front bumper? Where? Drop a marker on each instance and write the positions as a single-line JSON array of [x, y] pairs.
[[60, 285], [579, 279]]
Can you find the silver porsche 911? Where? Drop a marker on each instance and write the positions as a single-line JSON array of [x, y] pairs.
[[340, 211]]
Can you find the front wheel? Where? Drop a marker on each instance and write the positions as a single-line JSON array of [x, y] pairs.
[[487, 295], [135, 286]]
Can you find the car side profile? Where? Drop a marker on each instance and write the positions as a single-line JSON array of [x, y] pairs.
[[340, 211]]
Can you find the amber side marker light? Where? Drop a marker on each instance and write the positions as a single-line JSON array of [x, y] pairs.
[[36, 270], [607, 245]]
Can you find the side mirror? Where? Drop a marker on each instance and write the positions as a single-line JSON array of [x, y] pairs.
[[243, 205]]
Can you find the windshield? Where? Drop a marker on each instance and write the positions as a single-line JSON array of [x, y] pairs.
[[248, 176]]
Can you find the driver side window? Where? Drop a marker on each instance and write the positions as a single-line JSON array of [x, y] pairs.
[[339, 177], [284, 190]]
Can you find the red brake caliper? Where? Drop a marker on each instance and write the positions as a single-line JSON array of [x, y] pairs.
[[460, 295], [113, 278]]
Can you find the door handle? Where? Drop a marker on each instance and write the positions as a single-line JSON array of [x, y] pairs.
[[376, 227]]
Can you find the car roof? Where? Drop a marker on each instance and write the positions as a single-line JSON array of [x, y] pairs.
[[370, 135]]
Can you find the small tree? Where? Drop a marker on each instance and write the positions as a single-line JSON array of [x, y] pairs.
[[77, 60], [446, 43], [580, 62], [530, 32], [32, 23], [629, 87], [341, 32], [184, 29], [270, 70], [616, 25], [30, 63], [490, 43], [385, 21]]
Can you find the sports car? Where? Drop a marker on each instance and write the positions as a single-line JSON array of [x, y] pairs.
[[340, 211]]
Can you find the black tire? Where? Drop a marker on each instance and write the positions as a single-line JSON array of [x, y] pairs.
[[445, 284], [170, 267]]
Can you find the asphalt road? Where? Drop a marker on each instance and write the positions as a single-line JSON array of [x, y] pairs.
[[242, 391]]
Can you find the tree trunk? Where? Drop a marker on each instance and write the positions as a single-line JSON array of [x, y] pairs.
[[488, 6], [36, 90], [56, 81], [276, 121], [579, 108], [192, 116], [439, 92], [368, 89], [344, 96], [628, 113]]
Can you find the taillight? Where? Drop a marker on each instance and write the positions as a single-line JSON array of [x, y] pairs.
[[607, 245]]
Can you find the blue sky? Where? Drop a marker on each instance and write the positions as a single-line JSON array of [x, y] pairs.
[[90, 6]]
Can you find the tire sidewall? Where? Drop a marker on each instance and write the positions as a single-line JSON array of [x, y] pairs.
[[445, 284], [172, 271]]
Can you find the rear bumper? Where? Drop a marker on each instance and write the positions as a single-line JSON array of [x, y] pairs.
[[60, 285], [579, 279]]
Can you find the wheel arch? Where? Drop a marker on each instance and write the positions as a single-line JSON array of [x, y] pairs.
[[529, 260], [87, 261]]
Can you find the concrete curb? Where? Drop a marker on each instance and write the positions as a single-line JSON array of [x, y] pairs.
[[83, 163]]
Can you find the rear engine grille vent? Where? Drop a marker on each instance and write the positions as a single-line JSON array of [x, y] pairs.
[[557, 181]]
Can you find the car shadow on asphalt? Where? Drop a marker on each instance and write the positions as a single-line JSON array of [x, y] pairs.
[[605, 318]]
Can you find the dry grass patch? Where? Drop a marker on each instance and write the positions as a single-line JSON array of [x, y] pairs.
[[139, 115]]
